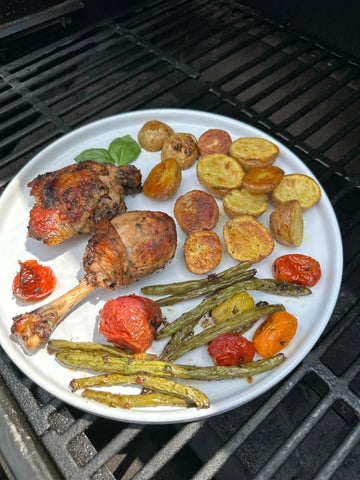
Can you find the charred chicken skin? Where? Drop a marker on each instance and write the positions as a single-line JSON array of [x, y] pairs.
[[70, 201], [123, 249]]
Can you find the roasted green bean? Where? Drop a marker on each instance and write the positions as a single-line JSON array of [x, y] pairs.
[[229, 325], [277, 287], [269, 285], [55, 346], [206, 289], [108, 364], [156, 384], [189, 285], [135, 401]]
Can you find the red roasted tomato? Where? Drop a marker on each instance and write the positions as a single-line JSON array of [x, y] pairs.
[[130, 322], [297, 268], [231, 349], [34, 281]]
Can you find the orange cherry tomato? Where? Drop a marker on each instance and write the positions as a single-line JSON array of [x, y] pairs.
[[34, 282], [130, 322], [297, 268], [231, 349], [274, 333]]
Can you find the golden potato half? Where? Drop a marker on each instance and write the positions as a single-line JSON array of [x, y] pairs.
[[219, 173], [253, 152], [286, 223], [263, 179], [297, 186], [243, 202], [246, 239]]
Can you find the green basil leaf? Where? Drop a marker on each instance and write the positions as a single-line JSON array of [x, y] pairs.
[[124, 150], [97, 154]]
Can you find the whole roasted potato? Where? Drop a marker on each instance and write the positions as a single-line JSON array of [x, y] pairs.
[[183, 147], [152, 135]]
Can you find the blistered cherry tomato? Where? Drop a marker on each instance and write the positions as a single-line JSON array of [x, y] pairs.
[[231, 349], [297, 268], [130, 322], [34, 282], [274, 333]]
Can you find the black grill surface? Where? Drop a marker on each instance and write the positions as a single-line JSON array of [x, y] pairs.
[[226, 58]]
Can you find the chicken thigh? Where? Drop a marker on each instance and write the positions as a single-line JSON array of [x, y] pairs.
[[70, 201]]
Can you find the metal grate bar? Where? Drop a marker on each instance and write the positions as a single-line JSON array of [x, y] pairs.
[[169, 450]]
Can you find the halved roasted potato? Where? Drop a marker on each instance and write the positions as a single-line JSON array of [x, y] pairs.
[[263, 179], [246, 239], [202, 252], [163, 180], [297, 186], [196, 210], [244, 202], [214, 140], [286, 223], [253, 152], [219, 173]]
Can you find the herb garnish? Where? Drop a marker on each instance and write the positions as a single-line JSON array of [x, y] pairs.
[[121, 151]]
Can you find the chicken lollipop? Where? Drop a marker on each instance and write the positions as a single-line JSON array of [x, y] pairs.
[[127, 247]]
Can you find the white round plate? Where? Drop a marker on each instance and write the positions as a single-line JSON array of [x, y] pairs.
[[321, 240]]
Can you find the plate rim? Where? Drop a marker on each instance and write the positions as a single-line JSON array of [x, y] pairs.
[[275, 375]]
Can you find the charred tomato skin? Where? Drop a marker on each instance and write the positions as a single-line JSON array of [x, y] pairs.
[[231, 348], [130, 322], [297, 268], [33, 282]]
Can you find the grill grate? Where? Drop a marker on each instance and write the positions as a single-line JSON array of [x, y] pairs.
[[225, 58]]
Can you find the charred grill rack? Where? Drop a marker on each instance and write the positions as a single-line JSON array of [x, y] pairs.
[[220, 57]]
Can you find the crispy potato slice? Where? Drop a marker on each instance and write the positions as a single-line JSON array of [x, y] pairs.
[[286, 223], [243, 202], [163, 180], [183, 147], [214, 140], [152, 135], [231, 306], [253, 152], [219, 173], [247, 239], [202, 252], [263, 179], [297, 186], [196, 210]]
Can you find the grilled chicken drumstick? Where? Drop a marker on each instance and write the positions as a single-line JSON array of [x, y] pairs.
[[70, 201], [123, 249]]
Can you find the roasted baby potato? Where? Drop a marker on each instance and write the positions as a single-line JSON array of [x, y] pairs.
[[246, 239], [152, 135], [232, 306], [286, 223], [219, 173], [263, 179], [182, 147], [163, 180], [243, 202], [214, 140], [196, 210], [202, 252], [297, 186], [253, 152]]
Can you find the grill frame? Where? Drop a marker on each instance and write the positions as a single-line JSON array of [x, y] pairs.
[[39, 108]]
